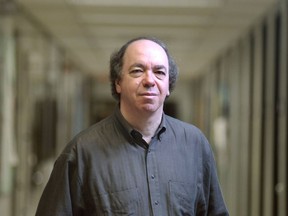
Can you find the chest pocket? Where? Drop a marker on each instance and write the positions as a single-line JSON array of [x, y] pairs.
[[122, 203], [182, 199]]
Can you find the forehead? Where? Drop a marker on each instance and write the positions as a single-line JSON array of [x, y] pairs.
[[145, 50]]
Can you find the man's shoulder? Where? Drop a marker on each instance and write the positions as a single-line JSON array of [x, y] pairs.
[[177, 123], [95, 130], [92, 133], [182, 128]]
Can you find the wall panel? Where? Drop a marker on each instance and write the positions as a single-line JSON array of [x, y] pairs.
[[282, 162], [256, 120], [245, 152], [234, 135], [269, 117]]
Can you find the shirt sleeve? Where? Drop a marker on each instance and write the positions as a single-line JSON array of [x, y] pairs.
[[211, 200], [61, 194], [216, 204]]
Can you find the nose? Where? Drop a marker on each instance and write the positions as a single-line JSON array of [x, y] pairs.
[[148, 79]]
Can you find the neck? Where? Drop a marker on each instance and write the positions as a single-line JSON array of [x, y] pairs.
[[146, 123]]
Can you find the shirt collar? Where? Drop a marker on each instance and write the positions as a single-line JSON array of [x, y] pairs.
[[128, 130]]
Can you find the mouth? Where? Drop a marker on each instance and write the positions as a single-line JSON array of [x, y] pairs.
[[148, 94]]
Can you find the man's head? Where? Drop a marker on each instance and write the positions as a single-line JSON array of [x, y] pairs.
[[117, 61]]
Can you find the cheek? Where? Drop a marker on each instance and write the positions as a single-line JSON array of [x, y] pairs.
[[126, 87], [165, 88], [135, 86]]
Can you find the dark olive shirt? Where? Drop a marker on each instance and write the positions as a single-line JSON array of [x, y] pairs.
[[109, 169]]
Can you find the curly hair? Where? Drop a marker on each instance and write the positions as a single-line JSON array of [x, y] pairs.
[[116, 64]]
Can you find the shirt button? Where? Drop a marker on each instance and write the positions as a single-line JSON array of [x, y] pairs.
[[149, 150], [156, 202], [152, 176]]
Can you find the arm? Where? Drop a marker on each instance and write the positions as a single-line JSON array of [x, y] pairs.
[[60, 194], [211, 198], [216, 204]]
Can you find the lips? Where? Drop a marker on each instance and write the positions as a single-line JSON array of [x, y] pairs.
[[148, 94]]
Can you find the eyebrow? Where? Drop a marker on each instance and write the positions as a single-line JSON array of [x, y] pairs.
[[136, 65], [143, 66], [160, 67]]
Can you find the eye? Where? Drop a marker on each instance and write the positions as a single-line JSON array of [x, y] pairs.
[[160, 74], [136, 72]]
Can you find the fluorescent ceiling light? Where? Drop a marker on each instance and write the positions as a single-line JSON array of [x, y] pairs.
[[155, 3]]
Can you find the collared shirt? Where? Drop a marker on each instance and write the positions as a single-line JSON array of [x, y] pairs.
[[109, 169]]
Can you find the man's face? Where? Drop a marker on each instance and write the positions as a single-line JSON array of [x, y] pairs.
[[144, 83]]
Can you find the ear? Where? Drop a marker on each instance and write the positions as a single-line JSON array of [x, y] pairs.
[[168, 93], [118, 86]]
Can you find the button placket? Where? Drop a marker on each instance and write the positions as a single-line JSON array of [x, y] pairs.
[[153, 182]]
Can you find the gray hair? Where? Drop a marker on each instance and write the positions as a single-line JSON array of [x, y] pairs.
[[116, 64]]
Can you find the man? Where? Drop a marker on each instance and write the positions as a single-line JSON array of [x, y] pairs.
[[138, 161]]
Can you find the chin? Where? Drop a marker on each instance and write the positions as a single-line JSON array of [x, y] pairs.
[[151, 108]]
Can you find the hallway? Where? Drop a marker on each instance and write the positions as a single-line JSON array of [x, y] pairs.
[[232, 57]]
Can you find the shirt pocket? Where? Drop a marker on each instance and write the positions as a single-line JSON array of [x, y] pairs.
[[182, 199], [122, 203]]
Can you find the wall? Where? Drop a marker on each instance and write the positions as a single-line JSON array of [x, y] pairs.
[[241, 104]]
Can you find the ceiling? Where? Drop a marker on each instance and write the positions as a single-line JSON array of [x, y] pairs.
[[194, 30]]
